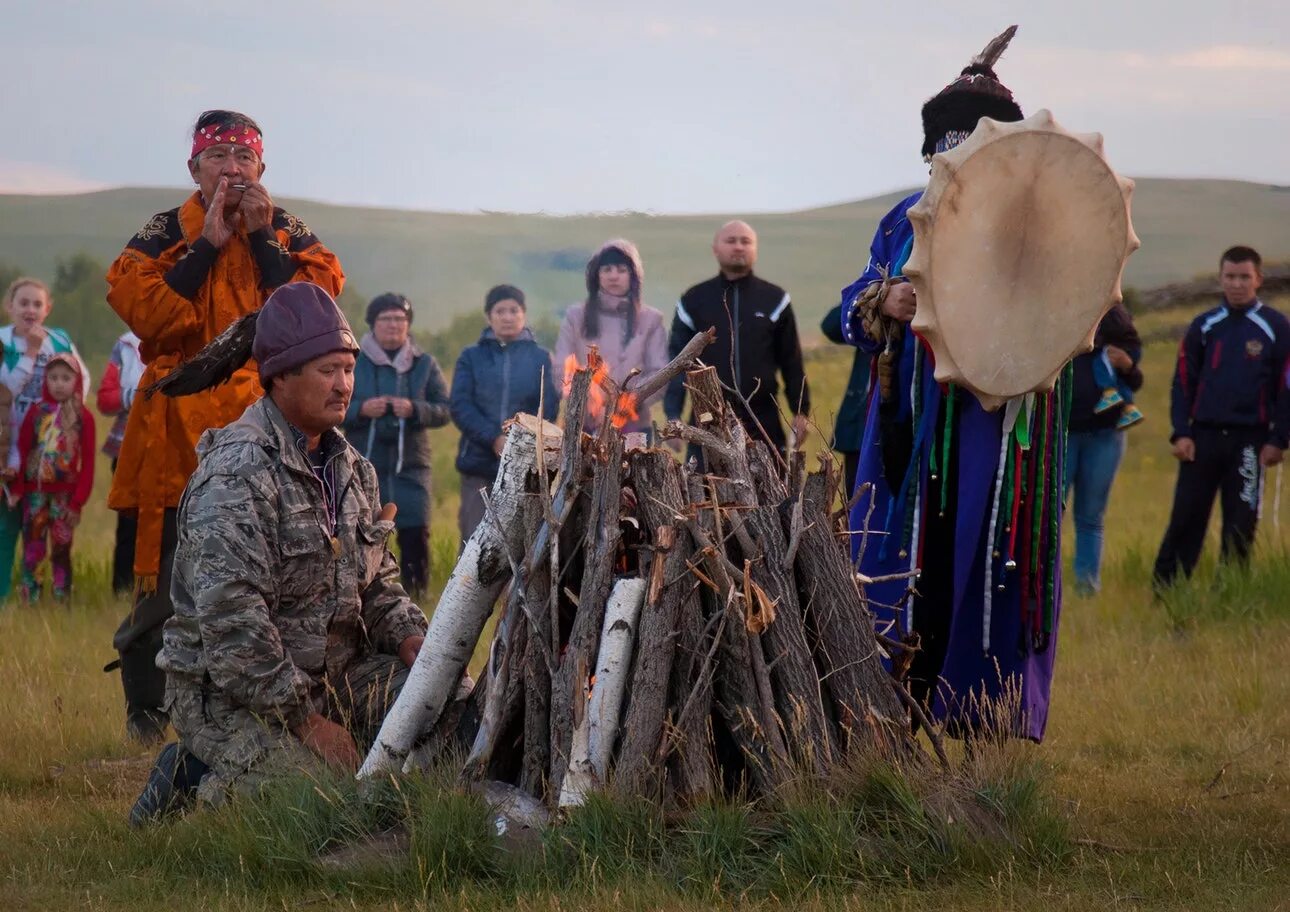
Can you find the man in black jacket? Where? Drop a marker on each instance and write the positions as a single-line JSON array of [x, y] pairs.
[[756, 336]]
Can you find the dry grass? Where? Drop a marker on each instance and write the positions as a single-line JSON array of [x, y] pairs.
[[1166, 754]]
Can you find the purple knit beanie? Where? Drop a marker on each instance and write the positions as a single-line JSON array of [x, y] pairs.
[[298, 323]]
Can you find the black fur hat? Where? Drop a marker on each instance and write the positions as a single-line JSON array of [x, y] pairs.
[[976, 93], [388, 301]]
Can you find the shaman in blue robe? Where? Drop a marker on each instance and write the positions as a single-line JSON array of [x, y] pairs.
[[972, 501]]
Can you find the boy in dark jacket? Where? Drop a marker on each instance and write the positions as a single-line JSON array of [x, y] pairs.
[[504, 373], [1231, 417], [399, 394]]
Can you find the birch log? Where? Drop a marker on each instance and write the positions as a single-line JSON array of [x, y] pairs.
[[600, 549], [593, 741], [467, 600]]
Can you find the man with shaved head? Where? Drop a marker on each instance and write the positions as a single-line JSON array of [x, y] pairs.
[[756, 339]]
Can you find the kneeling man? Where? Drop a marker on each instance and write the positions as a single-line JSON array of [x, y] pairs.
[[291, 635]]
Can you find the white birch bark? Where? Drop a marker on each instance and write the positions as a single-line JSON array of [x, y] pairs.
[[467, 600], [593, 739]]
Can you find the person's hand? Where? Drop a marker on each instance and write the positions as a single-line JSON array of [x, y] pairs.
[[799, 429], [1270, 455], [409, 648], [330, 742], [36, 338], [256, 207], [499, 444], [373, 408], [218, 228], [900, 302], [74, 517], [1119, 358], [1185, 449], [402, 407]]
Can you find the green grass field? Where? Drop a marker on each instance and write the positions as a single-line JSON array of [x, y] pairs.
[[1163, 782]]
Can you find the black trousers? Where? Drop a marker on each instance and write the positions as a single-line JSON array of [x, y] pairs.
[[850, 466], [414, 558], [138, 639], [123, 551], [1226, 464]]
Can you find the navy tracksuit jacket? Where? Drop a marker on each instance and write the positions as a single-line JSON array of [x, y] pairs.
[[1231, 396]]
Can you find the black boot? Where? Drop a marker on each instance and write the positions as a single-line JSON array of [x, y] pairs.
[[171, 785], [145, 690]]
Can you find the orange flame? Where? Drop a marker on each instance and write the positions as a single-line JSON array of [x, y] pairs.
[[598, 394]]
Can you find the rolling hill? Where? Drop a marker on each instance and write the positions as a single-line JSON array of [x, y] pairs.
[[445, 262]]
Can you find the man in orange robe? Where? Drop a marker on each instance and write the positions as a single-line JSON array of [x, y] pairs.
[[183, 279]]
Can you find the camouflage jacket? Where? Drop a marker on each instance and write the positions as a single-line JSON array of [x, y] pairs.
[[269, 602]]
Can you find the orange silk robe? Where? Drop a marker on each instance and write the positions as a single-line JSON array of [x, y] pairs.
[[177, 308]]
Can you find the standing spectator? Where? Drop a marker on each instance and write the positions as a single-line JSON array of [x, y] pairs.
[[188, 275], [1096, 441], [504, 373], [848, 430], [1230, 408], [399, 394], [28, 347], [629, 334], [115, 396], [56, 443], [756, 336]]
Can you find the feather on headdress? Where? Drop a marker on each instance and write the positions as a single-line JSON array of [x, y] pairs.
[[976, 93]]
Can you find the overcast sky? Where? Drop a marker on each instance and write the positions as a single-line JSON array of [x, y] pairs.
[[589, 105]]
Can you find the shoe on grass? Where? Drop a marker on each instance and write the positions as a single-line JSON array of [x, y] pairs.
[[171, 785]]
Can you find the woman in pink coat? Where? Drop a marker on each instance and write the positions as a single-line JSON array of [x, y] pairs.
[[629, 334]]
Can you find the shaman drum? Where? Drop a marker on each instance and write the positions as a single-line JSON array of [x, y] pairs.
[[1020, 242]]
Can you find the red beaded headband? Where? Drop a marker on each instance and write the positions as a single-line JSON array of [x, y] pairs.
[[222, 134]]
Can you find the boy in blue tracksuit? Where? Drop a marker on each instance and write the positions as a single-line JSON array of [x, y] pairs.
[[1231, 417]]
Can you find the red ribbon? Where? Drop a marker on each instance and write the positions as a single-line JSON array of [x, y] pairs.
[[227, 134]]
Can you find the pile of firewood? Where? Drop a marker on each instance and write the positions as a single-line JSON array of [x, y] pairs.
[[668, 631]]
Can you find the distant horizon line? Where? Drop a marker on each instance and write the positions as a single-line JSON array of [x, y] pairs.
[[607, 213]]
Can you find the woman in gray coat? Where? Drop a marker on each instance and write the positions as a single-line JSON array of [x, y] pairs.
[[399, 394]]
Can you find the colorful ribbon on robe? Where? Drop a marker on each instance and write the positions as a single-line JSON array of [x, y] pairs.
[[1028, 497]]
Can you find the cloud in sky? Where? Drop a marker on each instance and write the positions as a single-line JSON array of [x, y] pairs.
[[578, 105], [1233, 57], [33, 177]]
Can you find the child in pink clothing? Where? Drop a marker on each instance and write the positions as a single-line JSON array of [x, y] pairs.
[[56, 446]]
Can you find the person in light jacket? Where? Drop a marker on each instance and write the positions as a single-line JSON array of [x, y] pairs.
[[629, 334], [115, 396]]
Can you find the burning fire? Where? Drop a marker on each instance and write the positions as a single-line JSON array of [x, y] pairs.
[[602, 387]]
